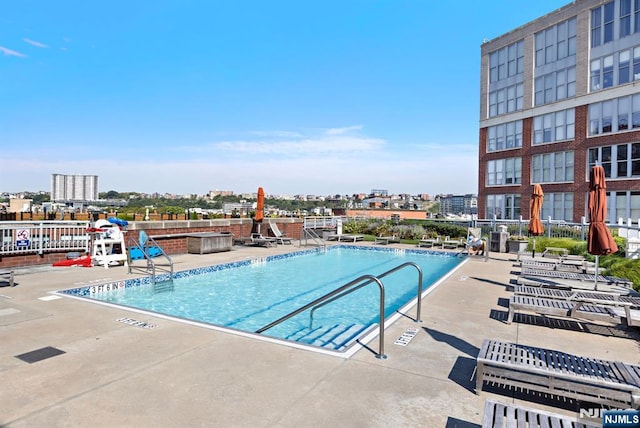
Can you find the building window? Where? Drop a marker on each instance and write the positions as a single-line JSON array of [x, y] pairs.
[[558, 126], [608, 22], [625, 18], [627, 205], [624, 67], [506, 62], [505, 100], [552, 167], [555, 86], [596, 26], [503, 206], [504, 136], [558, 206], [555, 43], [618, 161], [602, 24], [614, 115], [503, 172]]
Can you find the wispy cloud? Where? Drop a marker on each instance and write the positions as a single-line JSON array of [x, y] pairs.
[[34, 43], [9, 52], [304, 147], [295, 144], [344, 130]]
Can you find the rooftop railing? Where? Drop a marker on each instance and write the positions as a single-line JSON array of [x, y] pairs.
[[26, 237]]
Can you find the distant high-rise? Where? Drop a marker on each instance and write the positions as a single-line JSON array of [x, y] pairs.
[[74, 187]]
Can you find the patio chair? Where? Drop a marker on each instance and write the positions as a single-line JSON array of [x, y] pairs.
[[501, 415], [280, 237], [257, 240], [429, 242], [616, 304], [385, 240], [548, 371], [451, 243], [346, 237], [565, 308]]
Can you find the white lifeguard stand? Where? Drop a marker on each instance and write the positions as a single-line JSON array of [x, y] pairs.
[[109, 247]]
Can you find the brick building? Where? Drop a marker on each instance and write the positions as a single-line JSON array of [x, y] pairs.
[[557, 96]]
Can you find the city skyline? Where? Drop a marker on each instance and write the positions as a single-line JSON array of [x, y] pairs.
[[297, 98]]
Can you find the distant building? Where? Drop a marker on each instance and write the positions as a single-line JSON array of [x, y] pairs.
[[74, 188], [379, 192], [241, 209], [214, 193], [458, 204]]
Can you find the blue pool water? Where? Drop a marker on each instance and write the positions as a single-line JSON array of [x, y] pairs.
[[251, 294]]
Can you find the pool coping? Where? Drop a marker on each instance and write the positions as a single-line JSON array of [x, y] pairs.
[[354, 345]]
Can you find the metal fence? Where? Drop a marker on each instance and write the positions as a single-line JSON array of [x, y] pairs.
[[27, 237]]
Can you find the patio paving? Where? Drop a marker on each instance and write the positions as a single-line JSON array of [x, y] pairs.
[[114, 374]]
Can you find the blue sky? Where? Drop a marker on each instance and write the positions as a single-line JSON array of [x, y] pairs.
[[187, 96]]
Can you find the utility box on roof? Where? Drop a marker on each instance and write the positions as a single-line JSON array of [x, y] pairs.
[[498, 242]]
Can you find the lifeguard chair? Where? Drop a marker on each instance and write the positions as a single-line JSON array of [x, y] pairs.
[[109, 247]]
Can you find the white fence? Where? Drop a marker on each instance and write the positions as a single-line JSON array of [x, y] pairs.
[[26, 237]]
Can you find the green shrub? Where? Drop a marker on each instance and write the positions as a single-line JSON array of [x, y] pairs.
[[624, 268]]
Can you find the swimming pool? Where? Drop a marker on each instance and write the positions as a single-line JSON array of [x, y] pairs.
[[247, 295]]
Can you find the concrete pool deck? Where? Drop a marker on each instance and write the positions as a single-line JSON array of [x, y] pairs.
[[117, 375]]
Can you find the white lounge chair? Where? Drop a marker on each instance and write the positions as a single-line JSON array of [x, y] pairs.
[[385, 240], [280, 237], [429, 242]]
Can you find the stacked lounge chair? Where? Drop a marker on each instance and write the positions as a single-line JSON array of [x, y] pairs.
[[548, 371]]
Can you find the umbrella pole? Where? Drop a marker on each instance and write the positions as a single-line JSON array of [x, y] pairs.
[[596, 275], [533, 253]]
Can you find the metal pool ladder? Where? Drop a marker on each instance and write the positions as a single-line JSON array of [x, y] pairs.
[[349, 288], [144, 244]]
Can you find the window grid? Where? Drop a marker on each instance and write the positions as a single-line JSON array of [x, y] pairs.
[[504, 136], [555, 43], [506, 100], [558, 206], [552, 167], [618, 161], [504, 172], [551, 127], [615, 69], [615, 115], [506, 62], [503, 206], [555, 86]]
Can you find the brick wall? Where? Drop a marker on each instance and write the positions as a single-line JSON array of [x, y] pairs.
[[170, 235], [580, 146]]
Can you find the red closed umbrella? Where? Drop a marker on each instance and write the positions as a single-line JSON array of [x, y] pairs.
[[535, 224], [600, 241]]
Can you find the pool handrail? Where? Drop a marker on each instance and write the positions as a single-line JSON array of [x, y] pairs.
[[329, 295], [143, 245], [382, 275]]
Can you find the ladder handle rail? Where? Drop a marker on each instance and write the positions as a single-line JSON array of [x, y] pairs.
[[382, 275], [151, 265], [369, 278]]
